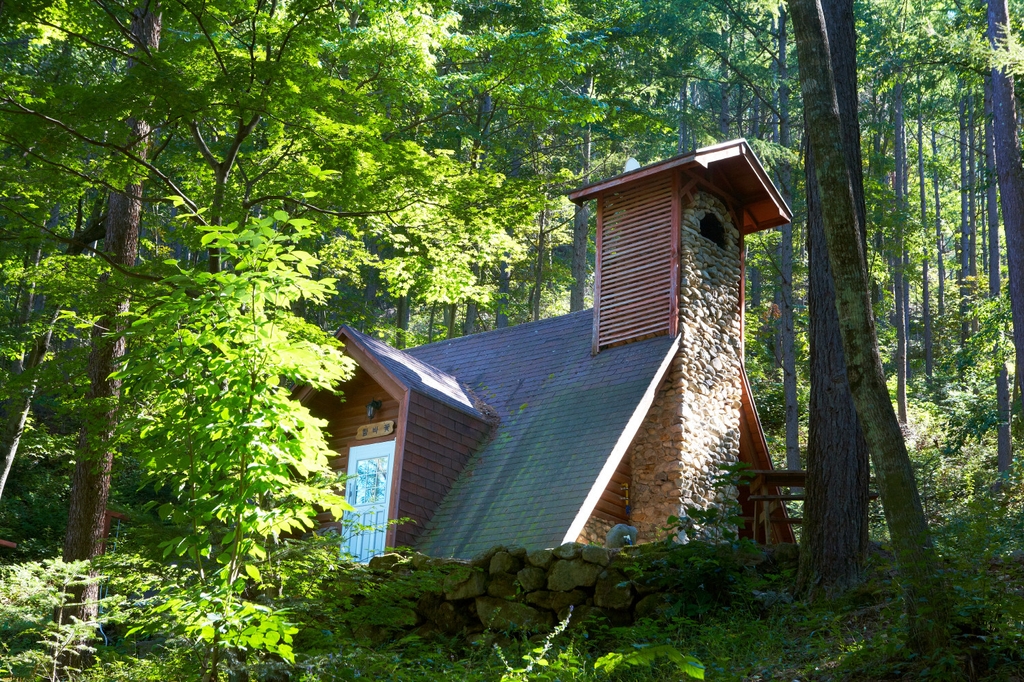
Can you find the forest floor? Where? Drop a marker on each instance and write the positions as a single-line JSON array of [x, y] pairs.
[[756, 633], [740, 622]]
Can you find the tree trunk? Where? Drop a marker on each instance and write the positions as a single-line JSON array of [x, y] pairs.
[[90, 484], [965, 226], [222, 172], [723, 114], [901, 339], [906, 308], [581, 223], [923, 593], [449, 319], [835, 532], [992, 200], [786, 329], [402, 320], [18, 418], [538, 274], [972, 212], [28, 294], [682, 143], [940, 243], [1004, 442], [983, 216], [469, 327], [1006, 146], [502, 300], [926, 304], [899, 278], [10, 437]]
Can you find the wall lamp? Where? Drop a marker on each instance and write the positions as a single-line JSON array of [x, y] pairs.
[[372, 407]]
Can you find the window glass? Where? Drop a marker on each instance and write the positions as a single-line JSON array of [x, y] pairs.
[[371, 480]]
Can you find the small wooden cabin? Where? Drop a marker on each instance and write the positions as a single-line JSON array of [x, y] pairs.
[[556, 430]]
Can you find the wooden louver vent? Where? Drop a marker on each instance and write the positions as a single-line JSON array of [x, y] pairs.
[[636, 257]]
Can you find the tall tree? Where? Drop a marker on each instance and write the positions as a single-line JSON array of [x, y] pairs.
[[581, 220], [1010, 172], [787, 332], [965, 222], [1004, 442], [14, 427], [898, 259], [835, 532], [926, 303], [940, 241], [90, 485], [972, 208], [26, 364], [923, 594]]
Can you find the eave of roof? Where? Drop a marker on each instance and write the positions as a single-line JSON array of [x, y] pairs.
[[762, 203], [414, 374]]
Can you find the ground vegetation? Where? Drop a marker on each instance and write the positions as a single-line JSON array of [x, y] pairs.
[[194, 195]]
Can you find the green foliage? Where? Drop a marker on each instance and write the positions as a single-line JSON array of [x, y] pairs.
[[211, 361], [34, 645], [718, 521], [696, 578], [422, 152], [334, 600], [565, 666], [34, 504], [644, 656]]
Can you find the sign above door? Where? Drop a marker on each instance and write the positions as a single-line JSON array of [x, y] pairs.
[[375, 430]]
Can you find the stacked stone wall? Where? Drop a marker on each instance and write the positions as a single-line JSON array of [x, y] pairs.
[[510, 589], [692, 429]]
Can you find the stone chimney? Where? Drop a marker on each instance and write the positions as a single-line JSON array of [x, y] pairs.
[[670, 261], [693, 428]]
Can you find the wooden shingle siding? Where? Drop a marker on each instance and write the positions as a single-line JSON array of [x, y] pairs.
[[438, 444], [636, 260], [438, 441]]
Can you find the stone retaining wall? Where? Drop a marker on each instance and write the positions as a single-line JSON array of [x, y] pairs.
[[510, 589]]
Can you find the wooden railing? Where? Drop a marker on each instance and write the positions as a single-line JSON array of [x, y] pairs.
[[769, 502]]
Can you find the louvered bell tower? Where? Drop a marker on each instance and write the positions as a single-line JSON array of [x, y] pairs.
[[719, 193], [670, 261]]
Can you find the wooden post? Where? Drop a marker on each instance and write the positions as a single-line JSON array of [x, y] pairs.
[[677, 213], [596, 343]]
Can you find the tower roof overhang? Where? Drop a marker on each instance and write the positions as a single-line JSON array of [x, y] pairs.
[[729, 169]]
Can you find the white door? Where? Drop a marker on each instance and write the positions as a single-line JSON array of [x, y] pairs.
[[368, 489]]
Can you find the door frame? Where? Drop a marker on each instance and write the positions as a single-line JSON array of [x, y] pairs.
[[388, 506]]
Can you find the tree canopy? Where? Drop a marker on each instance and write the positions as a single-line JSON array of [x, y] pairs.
[[196, 194]]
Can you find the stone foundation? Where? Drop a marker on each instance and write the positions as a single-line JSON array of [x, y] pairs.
[[693, 427], [595, 532]]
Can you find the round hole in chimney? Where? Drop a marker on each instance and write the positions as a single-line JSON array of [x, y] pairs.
[[711, 228]]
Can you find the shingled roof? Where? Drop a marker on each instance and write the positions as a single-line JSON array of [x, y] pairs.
[[417, 375], [564, 413]]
